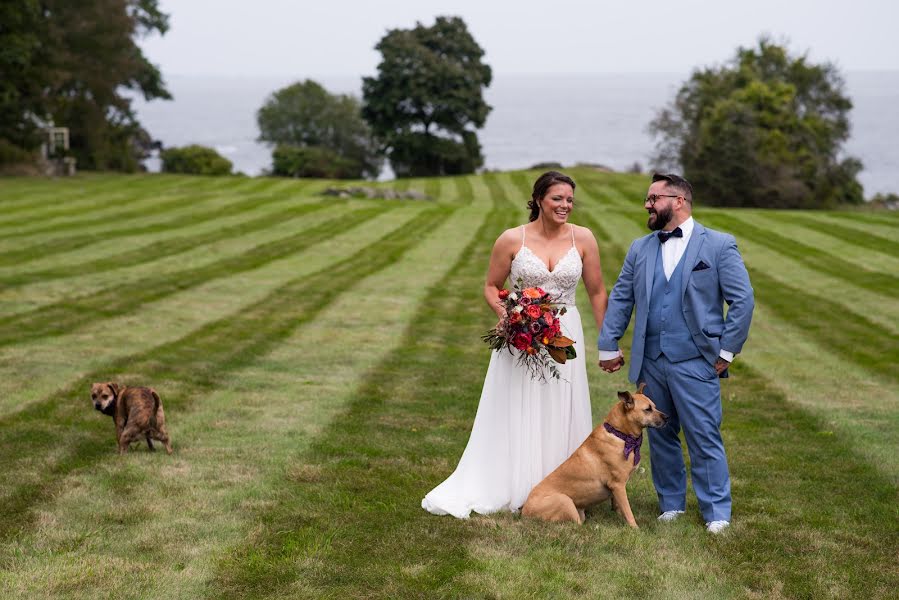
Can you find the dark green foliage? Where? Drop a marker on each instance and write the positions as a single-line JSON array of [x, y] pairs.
[[764, 130], [294, 161], [194, 160], [312, 129], [417, 154], [68, 63], [427, 97], [11, 154], [21, 77]]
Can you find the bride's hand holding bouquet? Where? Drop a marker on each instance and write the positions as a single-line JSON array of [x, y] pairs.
[[529, 323]]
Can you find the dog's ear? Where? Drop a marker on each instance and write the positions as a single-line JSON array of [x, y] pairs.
[[114, 386], [641, 387], [627, 399]]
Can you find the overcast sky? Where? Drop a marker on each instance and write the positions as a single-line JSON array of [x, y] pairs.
[[285, 38]]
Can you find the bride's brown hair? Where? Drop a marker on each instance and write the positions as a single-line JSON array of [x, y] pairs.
[[541, 186]]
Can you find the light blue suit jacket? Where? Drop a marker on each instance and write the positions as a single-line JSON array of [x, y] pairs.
[[704, 293]]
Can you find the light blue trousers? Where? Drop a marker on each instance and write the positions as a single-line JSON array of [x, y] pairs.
[[690, 394]]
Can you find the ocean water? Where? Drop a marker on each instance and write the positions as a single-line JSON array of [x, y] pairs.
[[568, 119]]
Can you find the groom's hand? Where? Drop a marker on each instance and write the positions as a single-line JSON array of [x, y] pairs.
[[610, 366], [721, 365]]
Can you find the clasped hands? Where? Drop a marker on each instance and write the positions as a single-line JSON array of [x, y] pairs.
[[614, 364]]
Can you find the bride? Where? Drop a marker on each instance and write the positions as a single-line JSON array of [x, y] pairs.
[[525, 428]]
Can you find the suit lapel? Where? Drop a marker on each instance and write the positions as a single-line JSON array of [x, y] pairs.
[[691, 253], [652, 254]]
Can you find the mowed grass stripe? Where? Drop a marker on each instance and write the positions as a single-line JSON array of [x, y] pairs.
[[161, 248], [353, 526], [48, 196], [815, 258], [66, 315], [817, 236], [192, 365], [854, 404], [879, 219], [464, 190], [867, 240], [613, 190], [107, 207], [149, 203], [54, 237], [177, 219], [834, 327]]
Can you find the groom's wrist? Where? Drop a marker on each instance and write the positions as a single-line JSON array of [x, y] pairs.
[[609, 354]]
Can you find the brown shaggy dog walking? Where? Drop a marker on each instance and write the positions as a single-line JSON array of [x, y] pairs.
[[136, 411]]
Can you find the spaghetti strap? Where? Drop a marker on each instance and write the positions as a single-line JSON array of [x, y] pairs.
[[572, 237], [522, 236]]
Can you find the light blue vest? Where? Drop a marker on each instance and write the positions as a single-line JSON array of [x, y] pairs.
[[666, 330]]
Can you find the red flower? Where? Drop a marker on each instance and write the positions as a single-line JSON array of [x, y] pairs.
[[503, 294], [514, 317], [533, 311], [522, 341], [548, 317]]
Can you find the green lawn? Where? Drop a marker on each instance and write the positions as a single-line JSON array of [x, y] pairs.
[[320, 364]]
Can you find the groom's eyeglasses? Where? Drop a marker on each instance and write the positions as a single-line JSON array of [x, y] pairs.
[[653, 197]]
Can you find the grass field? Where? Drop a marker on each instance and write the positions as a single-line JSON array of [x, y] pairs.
[[320, 364]]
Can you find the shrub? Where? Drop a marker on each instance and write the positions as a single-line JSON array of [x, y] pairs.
[[194, 160], [313, 161]]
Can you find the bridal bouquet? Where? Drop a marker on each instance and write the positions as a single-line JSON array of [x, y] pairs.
[[532, 327]]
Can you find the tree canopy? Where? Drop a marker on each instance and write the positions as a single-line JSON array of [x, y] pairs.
[[306, 116], [69, 63], [766, 129], [427, 98]]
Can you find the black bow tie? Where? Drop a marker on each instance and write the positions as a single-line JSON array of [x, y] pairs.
[[664, 236]]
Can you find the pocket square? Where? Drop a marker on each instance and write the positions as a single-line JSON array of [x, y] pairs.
[[701, 266]]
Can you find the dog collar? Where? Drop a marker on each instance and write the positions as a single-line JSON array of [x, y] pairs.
[[631, 443]]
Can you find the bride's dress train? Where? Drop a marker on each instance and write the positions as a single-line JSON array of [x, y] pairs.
[[523, 429]]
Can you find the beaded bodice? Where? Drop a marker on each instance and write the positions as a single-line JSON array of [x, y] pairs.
[[561, 282]]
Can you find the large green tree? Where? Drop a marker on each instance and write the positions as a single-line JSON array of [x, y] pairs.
[[307, 123], [427, 99], [765, 129], [74, 63]]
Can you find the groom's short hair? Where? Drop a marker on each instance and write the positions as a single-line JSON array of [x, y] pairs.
[[676, 182]]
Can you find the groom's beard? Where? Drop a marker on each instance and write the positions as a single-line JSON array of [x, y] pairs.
[[658, 219]]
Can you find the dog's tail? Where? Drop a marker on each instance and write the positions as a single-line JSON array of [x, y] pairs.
[[156, 402]]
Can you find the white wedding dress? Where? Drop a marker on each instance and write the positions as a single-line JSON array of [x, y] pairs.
[[523, 429]]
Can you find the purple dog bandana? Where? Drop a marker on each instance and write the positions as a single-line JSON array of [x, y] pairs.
[[631, 443]]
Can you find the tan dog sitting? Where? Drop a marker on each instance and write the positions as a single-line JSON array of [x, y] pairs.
[[136, 411], [600, 467]]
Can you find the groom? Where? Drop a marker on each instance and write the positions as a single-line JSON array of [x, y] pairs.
[[679, 278]]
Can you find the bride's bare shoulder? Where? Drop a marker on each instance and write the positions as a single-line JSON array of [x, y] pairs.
[[583, 236], [581, 232], [510, 238]]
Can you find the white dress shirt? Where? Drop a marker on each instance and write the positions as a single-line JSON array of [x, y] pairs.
[[672, 252]]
